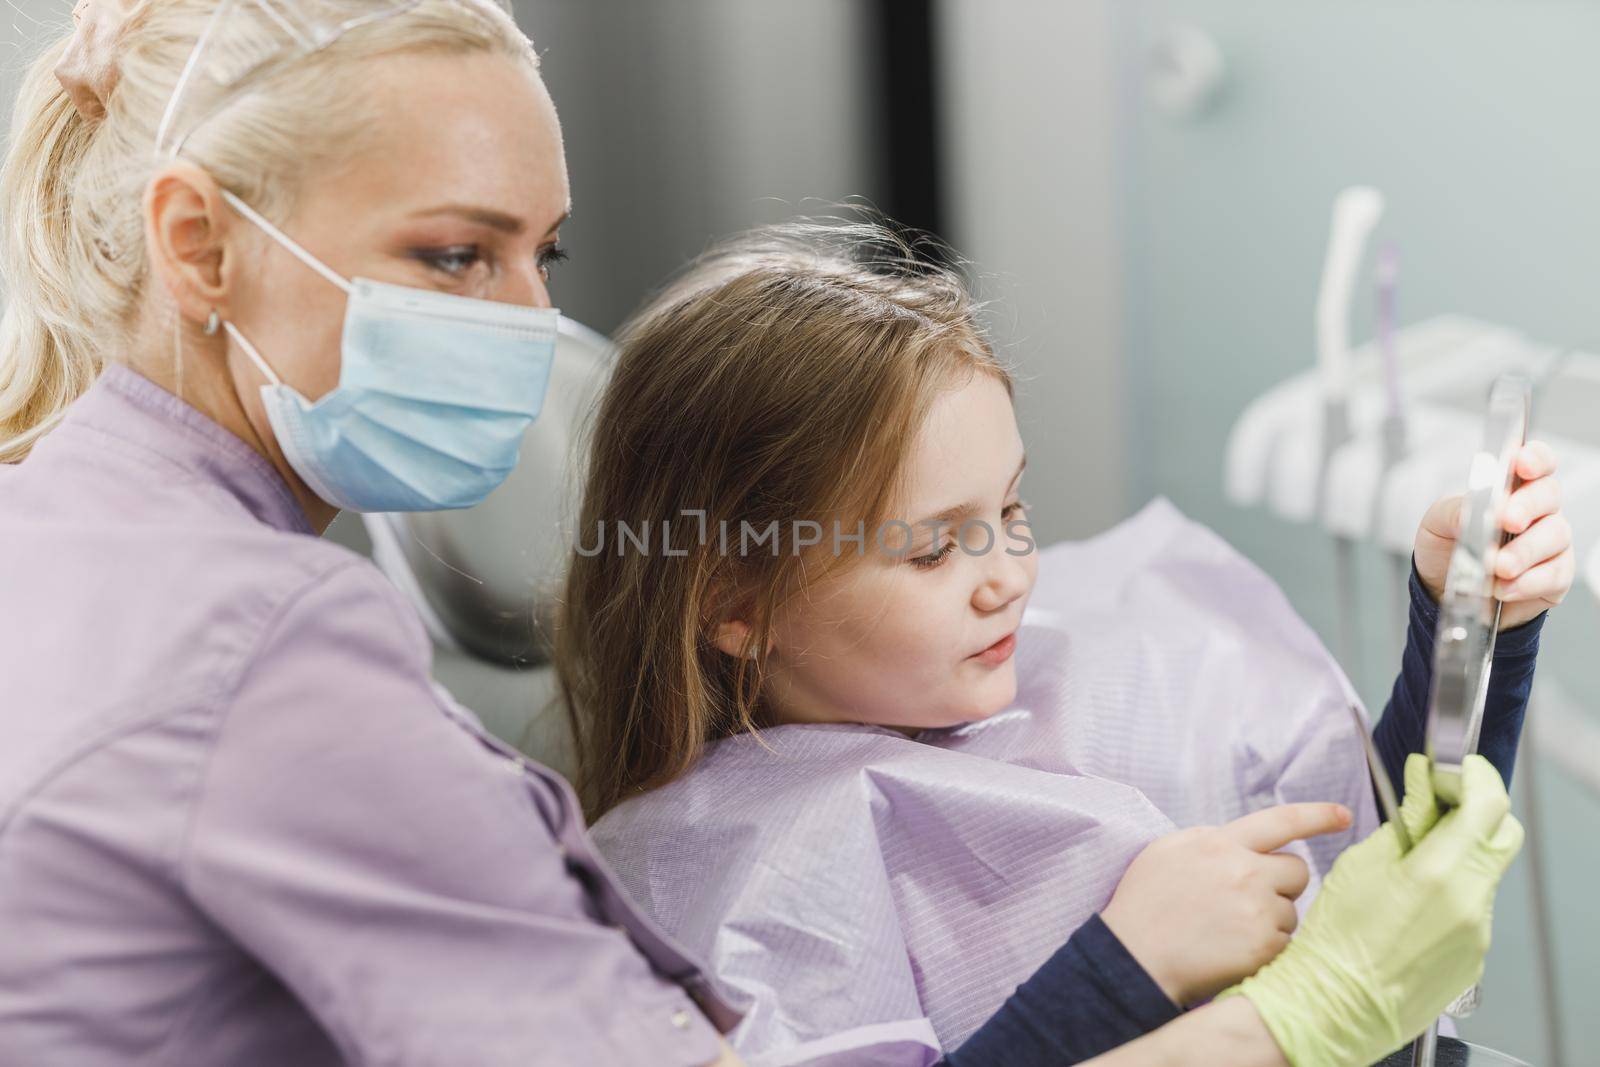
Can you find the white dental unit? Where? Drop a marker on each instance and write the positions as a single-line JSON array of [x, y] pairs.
[[1363, 442]]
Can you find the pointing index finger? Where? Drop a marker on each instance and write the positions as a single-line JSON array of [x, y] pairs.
[[1272, 828]]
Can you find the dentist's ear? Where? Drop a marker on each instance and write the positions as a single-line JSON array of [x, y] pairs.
[[186, 229]]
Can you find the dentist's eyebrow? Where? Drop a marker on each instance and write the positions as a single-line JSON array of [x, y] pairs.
[[497, 220], [956, 512]]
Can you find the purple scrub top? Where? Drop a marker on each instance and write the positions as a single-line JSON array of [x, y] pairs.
[[239, 824]]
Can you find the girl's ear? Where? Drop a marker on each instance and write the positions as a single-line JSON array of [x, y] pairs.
[[733, 638], [728, 622]]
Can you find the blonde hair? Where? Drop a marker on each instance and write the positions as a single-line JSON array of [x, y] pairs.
[[72, 250], [781, 378]]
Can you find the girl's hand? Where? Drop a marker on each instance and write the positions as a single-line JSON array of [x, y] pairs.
[[1534, 571], [1202, 908]]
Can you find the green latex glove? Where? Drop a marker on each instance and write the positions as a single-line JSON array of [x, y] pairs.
[[1392, 938]]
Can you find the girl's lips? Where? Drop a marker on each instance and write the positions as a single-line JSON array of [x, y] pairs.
[[998, 652]]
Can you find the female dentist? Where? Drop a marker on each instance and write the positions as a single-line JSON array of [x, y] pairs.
[[267, 261]]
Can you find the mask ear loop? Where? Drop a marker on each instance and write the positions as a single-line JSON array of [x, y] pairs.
[[299, 253], [283, 239], [250, 350]]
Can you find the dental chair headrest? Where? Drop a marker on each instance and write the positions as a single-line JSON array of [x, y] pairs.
[[485, 578]]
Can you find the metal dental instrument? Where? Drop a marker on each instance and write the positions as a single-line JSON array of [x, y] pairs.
[[1381, 781], [1469, 621]]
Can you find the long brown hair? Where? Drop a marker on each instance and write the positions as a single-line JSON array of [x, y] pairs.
[[782, 377]]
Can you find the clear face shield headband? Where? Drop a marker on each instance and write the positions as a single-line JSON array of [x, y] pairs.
[[246, 40]]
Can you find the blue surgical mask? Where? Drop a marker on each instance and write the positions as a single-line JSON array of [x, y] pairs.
[[435, 391]]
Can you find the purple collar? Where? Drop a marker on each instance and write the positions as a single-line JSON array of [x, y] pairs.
[[124, 404]]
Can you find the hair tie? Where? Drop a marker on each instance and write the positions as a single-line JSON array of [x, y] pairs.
[[88, 68]]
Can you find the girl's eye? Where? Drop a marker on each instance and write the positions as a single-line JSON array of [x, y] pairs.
[[933, 559], [549, 257], [452, 261], [1015, 511]]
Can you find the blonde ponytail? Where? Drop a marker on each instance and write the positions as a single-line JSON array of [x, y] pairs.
[[46, 357]]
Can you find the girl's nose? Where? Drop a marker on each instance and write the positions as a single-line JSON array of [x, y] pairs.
[[1005, 578]]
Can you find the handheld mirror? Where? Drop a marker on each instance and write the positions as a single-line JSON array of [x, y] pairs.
[[1469, 615]]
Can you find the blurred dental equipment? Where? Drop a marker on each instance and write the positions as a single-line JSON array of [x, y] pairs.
[[1356, 212], [1364, 441], [1387, 272], [1388, 276]]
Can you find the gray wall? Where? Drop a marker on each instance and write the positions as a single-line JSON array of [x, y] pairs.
[[687, 121], [1029, 140]]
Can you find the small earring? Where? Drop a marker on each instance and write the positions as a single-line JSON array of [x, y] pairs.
[[212, 321]]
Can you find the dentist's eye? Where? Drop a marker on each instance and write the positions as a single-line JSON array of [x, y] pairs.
[[549, 257], [933, 559], [452, 261]]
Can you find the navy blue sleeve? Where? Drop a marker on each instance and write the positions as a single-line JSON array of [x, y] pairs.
[[1088, 998], [1404, 725]]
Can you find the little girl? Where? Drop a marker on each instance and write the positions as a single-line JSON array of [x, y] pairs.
[[837, 750]]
